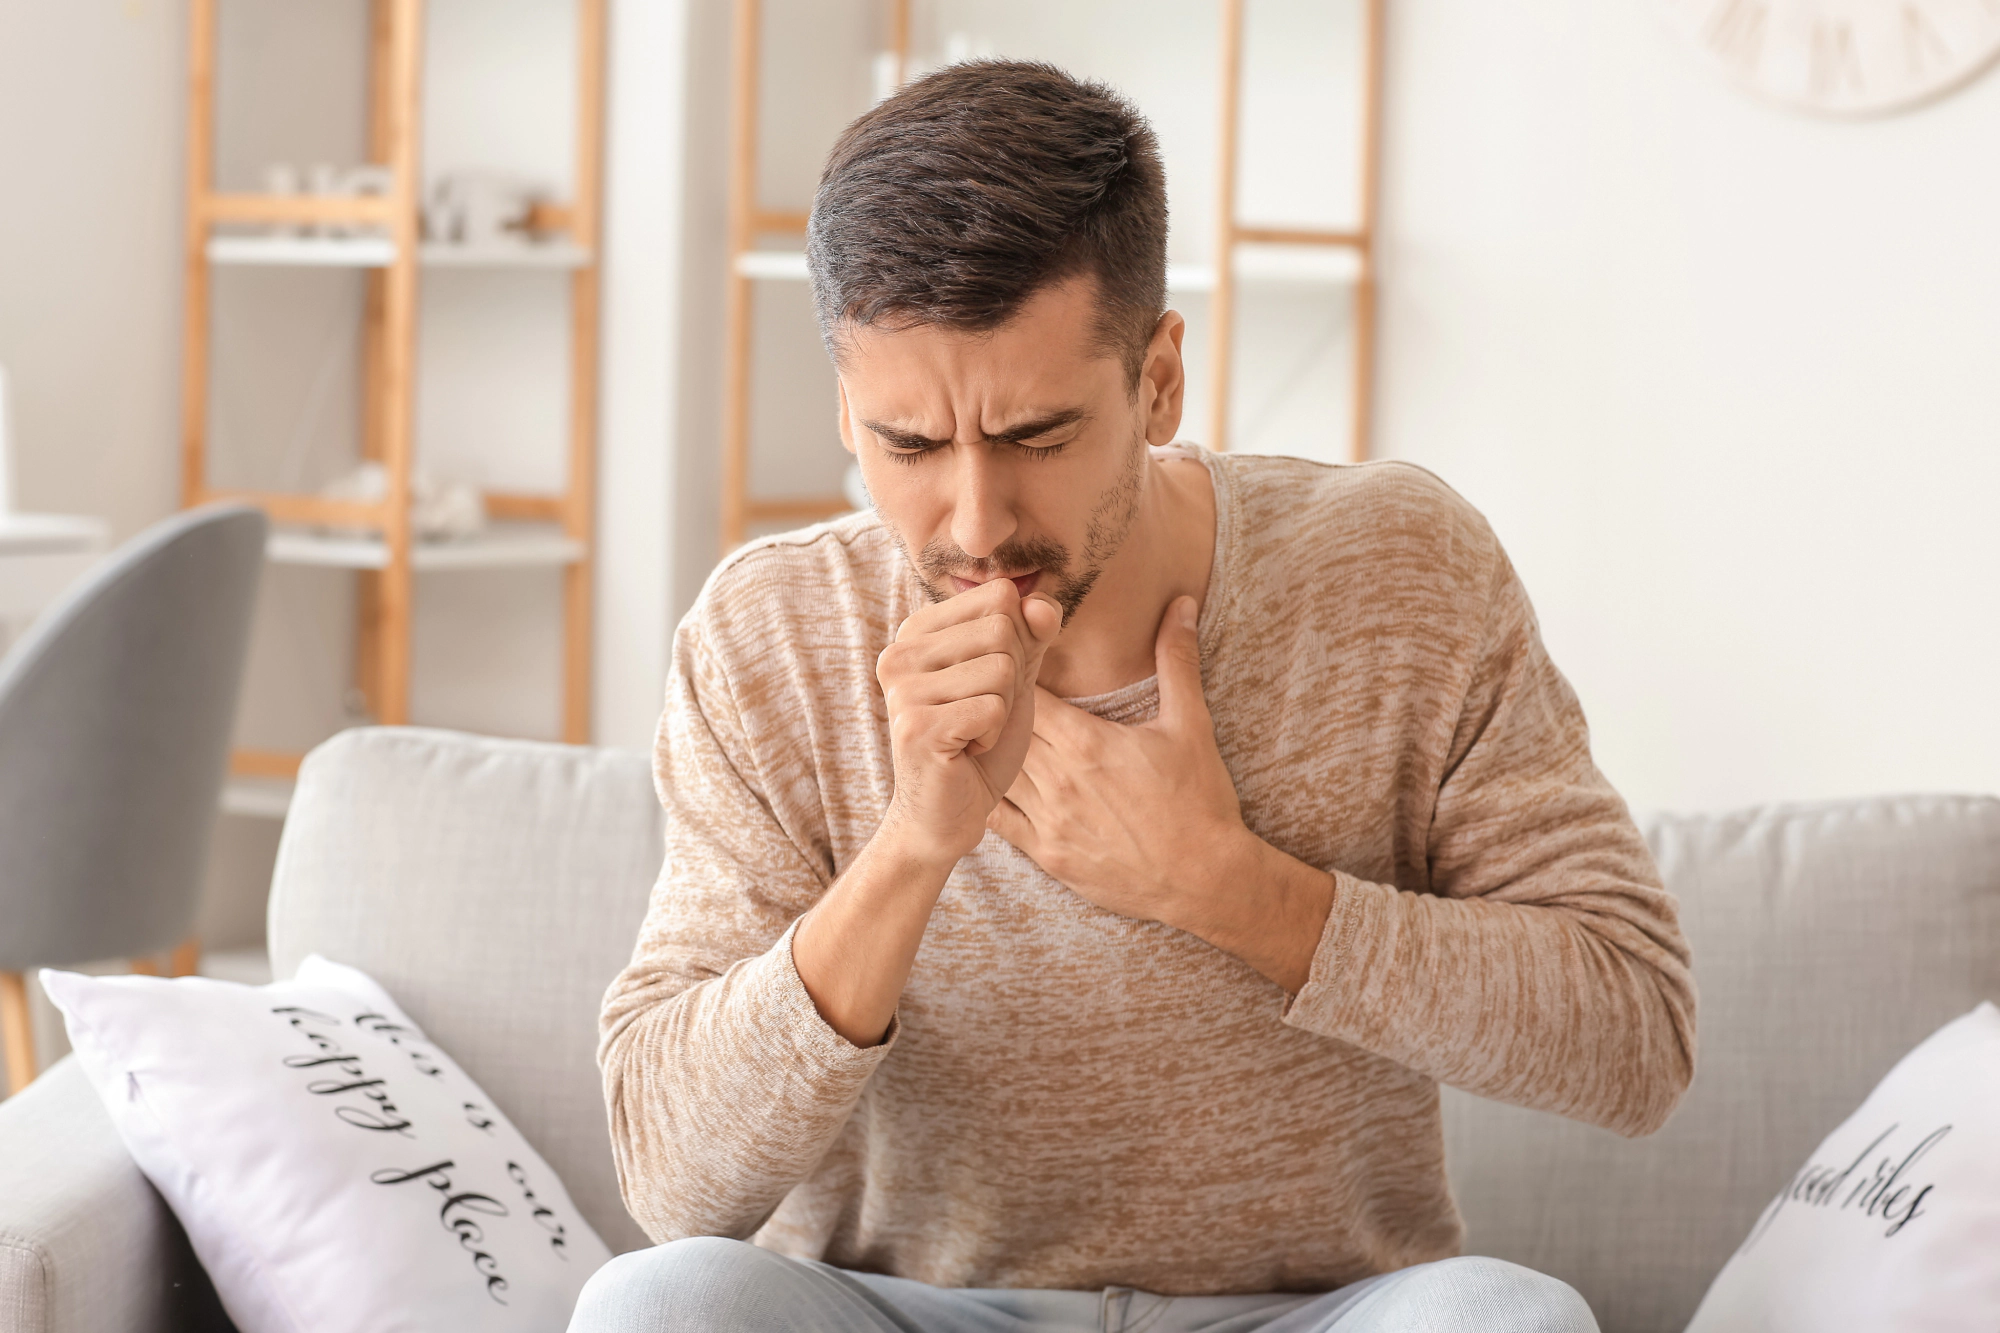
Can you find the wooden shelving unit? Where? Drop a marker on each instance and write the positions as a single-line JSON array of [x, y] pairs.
[[1232, 233], [1319, 257], [750, 223], [531, 530]]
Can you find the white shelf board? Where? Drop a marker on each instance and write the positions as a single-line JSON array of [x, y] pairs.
[[257, 798], [53, 534], [501, 546], [380, 251], [1274, 265], [780, 265], [327, 251], [524, 254]]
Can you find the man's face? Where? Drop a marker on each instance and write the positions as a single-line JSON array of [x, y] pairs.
[[1017, 453]]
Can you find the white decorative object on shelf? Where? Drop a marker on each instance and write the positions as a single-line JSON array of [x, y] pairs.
[[439, 509], [1844, 57], [282, 180], [327, 181], [480, 209]]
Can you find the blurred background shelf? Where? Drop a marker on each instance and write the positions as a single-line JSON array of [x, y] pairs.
[[309, 251], [257, 798], [1301, 265], [467, 122], [501, 546], [380, 252]]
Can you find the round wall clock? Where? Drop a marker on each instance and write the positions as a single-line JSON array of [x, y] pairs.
[[1845, 56]]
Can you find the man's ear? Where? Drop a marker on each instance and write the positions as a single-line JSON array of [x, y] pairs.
[[846, 430], [1163, 379]]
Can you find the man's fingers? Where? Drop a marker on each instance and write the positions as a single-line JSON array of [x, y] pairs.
[[963, 642], [1026, 793], [1058, 720], [995, 595], [1012, 823], [1177, 657], [957, 725], [993, 676], [1043, 617]]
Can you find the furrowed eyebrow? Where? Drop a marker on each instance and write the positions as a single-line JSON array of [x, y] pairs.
[[1020, 434]]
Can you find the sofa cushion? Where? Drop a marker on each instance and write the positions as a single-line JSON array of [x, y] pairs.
[[494, 887], [1828, 940]]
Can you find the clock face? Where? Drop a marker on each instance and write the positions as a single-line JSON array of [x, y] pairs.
[[1845, 56]]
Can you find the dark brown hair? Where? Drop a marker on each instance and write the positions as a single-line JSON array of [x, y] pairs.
[[955, 200]]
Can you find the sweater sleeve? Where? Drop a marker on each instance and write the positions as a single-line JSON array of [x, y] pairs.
[[1544, 964], [724, 1085]]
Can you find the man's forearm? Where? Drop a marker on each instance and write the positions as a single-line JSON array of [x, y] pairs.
[[1263, 905], [854, 949]]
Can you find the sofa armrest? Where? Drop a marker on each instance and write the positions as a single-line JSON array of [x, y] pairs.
[[86, 1245]]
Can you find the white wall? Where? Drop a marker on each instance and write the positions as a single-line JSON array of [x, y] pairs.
[[89, 250], [1726, 379]]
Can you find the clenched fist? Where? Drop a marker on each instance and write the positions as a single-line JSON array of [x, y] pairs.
[[960, 684]]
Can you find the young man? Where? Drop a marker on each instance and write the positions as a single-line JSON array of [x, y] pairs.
[[1083, 869]]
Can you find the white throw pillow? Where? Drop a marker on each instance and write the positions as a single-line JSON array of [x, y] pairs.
[[334, 1170], [1894, 1222]]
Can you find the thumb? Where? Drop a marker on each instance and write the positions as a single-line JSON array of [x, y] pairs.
[[1045, 617], [1177, 656]]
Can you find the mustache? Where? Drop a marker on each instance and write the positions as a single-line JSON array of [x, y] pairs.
[[941, 557]]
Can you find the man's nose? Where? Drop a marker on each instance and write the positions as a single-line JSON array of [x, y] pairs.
[[982, 514]]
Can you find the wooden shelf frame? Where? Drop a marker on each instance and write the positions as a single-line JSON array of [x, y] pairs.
[[1231, 231], [749, 220], [386, 597]]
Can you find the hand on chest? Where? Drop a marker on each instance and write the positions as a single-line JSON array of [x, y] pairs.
[[1126, 814]]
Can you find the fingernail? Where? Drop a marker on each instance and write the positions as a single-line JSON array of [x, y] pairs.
[[1187, 613]]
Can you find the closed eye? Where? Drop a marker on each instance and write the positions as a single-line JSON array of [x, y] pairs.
[[907, 446]]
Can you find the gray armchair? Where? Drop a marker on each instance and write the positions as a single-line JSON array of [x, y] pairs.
[[115, 713]]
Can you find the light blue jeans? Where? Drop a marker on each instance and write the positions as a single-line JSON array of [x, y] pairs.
[[709, 1285]]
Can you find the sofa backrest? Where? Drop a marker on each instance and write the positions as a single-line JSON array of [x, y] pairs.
[[1828, 940], [495, 887]]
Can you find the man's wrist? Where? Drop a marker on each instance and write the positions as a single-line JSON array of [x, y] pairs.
[[1261, 904], [913, 855]]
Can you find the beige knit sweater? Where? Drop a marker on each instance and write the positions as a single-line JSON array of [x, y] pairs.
[[1074, 1099]]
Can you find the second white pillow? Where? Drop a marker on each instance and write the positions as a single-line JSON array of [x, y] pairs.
[[1894, 1222]]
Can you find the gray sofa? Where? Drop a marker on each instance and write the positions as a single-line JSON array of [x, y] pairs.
[[495, 886]]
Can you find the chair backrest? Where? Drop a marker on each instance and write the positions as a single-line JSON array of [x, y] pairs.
[[115, 714], [1828, 940], [495, 887]]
